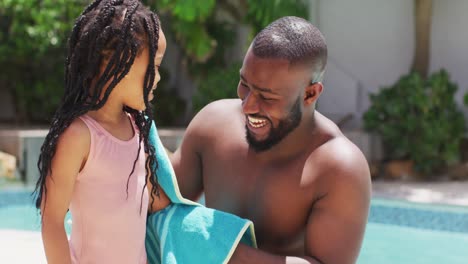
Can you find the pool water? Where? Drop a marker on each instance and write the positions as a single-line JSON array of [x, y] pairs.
[[384, 243], [17, 212], [397, 232]]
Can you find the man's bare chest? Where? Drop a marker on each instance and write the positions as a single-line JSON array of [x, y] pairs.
[[270, 196]]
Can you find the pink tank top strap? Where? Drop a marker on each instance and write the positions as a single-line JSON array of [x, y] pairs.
[[91, 123], [95, 126], [133, 121]]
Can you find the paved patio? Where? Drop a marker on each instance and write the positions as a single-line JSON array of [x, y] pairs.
[[21, 247], [452, 193]]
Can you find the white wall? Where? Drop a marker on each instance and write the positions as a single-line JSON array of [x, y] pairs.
[[449, 41], [370, 44]]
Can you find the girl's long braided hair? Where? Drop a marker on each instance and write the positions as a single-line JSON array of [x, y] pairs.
[[121, 28]]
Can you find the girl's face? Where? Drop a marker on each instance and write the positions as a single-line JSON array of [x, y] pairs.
[[130, 89]]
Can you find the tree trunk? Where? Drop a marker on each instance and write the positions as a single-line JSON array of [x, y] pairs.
[[423, 18]]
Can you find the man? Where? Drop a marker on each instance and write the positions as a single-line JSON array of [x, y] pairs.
[[272, 158]]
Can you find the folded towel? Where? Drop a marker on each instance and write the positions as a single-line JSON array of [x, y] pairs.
[[186, 232]]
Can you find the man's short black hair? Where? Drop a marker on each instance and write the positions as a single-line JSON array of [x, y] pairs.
[[296, 40]]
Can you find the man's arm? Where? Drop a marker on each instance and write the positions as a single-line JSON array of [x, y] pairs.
[[337, 221], [187, 159]]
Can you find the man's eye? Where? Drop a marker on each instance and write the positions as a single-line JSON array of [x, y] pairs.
[[266, 99]]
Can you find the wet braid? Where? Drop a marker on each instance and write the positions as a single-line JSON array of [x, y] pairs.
[[121, 28]]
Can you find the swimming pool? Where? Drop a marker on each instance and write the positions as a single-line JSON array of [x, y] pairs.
[[403, 232], [397, 232]]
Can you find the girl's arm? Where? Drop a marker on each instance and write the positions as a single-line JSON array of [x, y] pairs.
[[70, 156], [157, 203]]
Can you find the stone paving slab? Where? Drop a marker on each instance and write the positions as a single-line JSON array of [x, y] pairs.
[[451, 193], [21, 247]]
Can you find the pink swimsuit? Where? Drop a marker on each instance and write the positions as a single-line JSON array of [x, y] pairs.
[[107, 226]]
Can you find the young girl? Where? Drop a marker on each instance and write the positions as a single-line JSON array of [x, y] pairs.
[[95, 160]]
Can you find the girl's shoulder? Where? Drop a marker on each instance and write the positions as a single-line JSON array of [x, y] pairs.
[[72, 151], [78, 130], [76, 136]]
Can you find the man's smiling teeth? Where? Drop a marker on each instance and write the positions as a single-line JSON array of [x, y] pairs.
[[256, 122]]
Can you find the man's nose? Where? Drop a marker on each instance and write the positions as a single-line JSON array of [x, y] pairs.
[[250, 104]]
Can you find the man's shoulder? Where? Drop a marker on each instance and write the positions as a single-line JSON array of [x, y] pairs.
[[340, 172], [221, 106], [340, 159], [213, 118], [216, 113]]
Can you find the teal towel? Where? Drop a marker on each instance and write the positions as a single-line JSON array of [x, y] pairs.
[[187, 232]]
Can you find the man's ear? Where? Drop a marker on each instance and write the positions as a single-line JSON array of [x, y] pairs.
[[312, 92]]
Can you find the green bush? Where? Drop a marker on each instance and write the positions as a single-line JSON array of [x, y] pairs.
[[191, 22], [419, 120], [218, 84], [260, 13], [32, 53], [169, 107], [33, 35], [205, 29]]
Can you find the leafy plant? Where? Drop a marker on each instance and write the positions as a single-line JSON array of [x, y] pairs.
[[33, 36], [188, 21], [262, 12], [419, 120], [169, 107], [219, 84], [204, 29]]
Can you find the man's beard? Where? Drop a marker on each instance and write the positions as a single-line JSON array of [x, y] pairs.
[[285, 126]]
